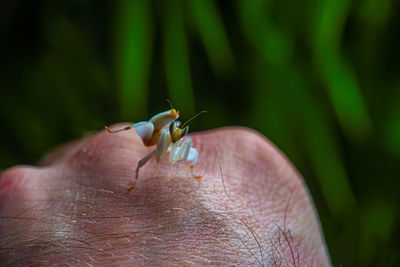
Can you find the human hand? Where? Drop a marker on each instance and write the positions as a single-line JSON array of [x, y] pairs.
[[250, 207]]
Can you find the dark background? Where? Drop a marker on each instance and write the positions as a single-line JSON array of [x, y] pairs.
[[320, 78]]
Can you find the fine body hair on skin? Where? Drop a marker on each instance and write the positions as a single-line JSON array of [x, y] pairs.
[[169, 219], [172, 224]]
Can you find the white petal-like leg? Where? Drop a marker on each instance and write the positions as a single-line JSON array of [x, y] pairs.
[[185, 149], [193, 155], [174, 150], [182, 151], [145, 130], [163, 143], [179, 150]]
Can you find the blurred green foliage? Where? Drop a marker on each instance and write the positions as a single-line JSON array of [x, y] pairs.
[[321, 79]]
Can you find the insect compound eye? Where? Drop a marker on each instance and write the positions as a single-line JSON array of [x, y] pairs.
[[171, 127]]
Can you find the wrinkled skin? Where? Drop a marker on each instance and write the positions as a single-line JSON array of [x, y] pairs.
[[74, 210]]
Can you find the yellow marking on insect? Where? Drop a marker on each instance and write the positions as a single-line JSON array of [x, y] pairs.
[[174, 113], [176, 135], [194, 176], [154, 138]]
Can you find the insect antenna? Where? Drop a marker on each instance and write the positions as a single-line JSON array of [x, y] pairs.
[[183, 125], [170, 104]]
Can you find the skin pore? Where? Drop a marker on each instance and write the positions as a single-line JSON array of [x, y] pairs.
[[250, 208]]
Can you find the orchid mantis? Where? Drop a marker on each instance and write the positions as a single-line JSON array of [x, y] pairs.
[[164, 131]]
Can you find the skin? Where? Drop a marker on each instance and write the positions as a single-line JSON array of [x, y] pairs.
[[250, 208]]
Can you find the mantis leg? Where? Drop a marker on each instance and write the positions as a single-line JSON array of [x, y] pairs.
[[193, 157], [141, 163], [185, 149], [117, 131], [163, 143], [176, 151], [182, 151], [144, 129]]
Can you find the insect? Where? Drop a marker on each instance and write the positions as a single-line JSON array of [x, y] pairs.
[[167, 133]]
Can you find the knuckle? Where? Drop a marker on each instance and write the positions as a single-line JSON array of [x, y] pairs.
[[14, 175], [248, 149], [253, 167], [15, 183]]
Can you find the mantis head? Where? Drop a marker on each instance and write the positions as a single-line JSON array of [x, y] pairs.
[[176, 132]]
